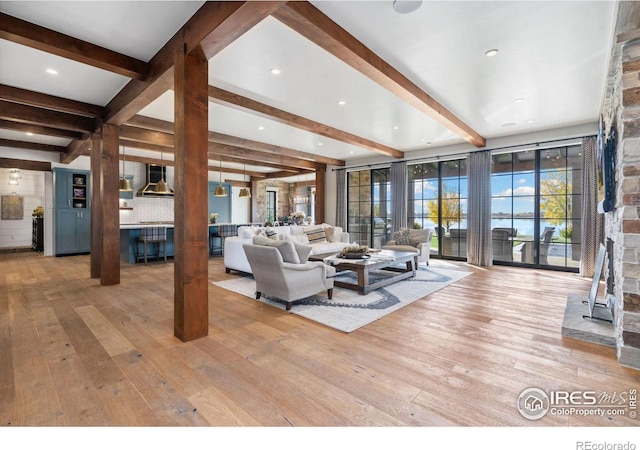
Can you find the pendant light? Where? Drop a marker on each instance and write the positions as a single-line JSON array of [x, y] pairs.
[[244, 192], [125, 183], [161, 187], [220, 190]]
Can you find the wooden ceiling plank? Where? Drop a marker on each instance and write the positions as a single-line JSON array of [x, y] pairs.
[[38, 129], [10, 163], [284, 174], [44, 39], [143, 135], [167, 127], [241, 103], [311, 23], [199, 29], [39, 116], [32, 98], [31, 145]]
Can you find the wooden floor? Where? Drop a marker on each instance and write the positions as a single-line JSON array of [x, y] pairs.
[[74, 353]]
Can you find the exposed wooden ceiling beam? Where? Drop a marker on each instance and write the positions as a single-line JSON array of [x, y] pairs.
[[211, 168], [249, 155], [10, 163], [311, 23], [241, 103], [40, 38], [285, 175], [38, 129], [31, 145], [79, 147], [214, 26], [168, 127], [41, 116], [32, 98]]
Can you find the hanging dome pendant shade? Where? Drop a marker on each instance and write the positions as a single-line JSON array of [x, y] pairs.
[[220, 190], [161, 186], [244, 191], [125, 183]]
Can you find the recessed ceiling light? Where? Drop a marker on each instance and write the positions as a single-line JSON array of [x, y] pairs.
[[395, 127], [342, 102], [518, 100], [275, 71], [320, 144], [52, 71], [351, 152], [406, 6], [530, 121], [29, 133], [492, 52], [260, 127], [509, 124]]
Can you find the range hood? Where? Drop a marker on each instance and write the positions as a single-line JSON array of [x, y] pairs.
[[155, 173]]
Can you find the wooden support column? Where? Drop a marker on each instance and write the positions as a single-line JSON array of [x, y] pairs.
[[320, 193], [110, 258], [191, 239], [96, 205]]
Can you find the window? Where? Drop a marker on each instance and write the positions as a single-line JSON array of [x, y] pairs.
[[438, 199], [368, 206], [536, 206]]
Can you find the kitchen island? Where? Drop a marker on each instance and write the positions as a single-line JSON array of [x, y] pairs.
[[131, 249]]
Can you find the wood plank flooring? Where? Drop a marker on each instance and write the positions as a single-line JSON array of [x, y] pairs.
[[75, 353]]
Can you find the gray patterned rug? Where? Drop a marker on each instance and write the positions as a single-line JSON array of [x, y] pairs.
[[348, 311]]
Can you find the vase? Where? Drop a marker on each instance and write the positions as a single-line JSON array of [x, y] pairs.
[[212, 220], [297, 220]]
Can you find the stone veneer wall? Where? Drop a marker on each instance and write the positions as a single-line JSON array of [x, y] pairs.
[[623, 224]]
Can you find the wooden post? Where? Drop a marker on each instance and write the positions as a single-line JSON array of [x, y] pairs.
[[110, 258], [96, 205], [320, 182], [191, 239]]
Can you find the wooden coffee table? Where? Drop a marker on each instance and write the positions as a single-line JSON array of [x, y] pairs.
[[382, 263]]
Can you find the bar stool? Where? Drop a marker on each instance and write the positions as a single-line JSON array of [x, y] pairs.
[[214, 234], [154, 235]]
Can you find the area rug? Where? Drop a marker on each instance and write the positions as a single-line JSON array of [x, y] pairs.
[[348, 310]]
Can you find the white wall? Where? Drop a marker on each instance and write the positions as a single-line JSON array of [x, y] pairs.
[[17, 233]]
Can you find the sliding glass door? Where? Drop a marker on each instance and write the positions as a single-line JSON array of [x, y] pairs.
[[368, 206], [537, 207]]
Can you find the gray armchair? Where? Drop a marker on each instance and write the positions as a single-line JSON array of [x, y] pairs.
[[421, 244], [285, 280]]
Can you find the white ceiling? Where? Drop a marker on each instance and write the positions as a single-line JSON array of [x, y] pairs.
[[553, 56]]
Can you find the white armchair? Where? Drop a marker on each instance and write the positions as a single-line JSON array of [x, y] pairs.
[[286, 280], [419, 241]]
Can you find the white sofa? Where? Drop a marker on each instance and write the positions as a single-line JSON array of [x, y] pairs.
[[236, 259]]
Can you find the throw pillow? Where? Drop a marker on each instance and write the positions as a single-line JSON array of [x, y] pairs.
[[329, 231], [300, 238], [272, 233], [303, 251], [316, 235], [402, 237], [247, 232], [286, 248]]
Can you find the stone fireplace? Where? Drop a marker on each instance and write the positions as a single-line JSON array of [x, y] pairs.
[[622, 225]]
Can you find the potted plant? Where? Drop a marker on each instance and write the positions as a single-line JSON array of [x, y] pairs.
[[355, 252], [38, 211], [213, 217], [298, 217]]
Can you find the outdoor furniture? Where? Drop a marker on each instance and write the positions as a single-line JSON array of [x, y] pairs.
[[545, 242], [502, 243]]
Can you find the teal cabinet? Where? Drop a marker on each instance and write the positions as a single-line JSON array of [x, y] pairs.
[[72, 211]]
